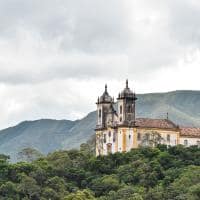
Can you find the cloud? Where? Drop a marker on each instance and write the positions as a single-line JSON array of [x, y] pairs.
[[184, 26], [62, 45], [56, 36]]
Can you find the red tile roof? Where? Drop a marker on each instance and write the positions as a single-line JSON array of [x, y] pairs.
[[167, 124], [155, 123], [190, 132]]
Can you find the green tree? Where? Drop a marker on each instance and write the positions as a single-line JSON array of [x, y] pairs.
[[40, 175], [50, 194], [58, 185], [103, 185], [9, 190], [152, 139], [89, 147], [4, 166], [126, 192], [183, 186], [4, 157], [29, 154], [80, 195], [28, 188], [194, 192]]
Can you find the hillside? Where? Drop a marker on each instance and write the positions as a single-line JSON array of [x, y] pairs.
[[142, 174], [183, 106], [47, 135]]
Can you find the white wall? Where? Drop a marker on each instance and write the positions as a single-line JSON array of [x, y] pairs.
[[163, 133], [129, 141], [120, 140], [191, 141]]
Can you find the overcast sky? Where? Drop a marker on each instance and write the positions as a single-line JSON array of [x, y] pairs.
[[56, 55]]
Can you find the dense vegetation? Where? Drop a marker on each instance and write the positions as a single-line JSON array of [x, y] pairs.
[[145, 173]]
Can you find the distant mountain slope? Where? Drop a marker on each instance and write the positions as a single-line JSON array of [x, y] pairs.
[[81, 132], [183, 106], [45, 135], [48, 135]]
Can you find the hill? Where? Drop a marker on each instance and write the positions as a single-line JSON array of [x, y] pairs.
[[48, 135], [183, 106]]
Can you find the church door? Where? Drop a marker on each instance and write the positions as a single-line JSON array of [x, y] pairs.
[[109, 148]]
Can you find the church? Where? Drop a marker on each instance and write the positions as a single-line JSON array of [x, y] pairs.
[[118, 129]]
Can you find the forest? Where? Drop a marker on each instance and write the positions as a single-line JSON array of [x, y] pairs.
[[168, 173]]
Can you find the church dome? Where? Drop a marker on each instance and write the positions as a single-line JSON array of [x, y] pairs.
[[127, 92], [105, 98]]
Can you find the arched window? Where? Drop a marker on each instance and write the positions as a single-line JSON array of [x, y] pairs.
[[129, 109], [129, 117], [168, 138], [99, 113], [109, 134], [114, 136], [109, 148], [139, 136], [186, 143], [147, 135], [104, 138], [120, 109]]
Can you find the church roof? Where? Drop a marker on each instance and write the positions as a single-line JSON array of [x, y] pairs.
[[127, 92], [105, 98], [190, 132], [155, 123], [167, 124]]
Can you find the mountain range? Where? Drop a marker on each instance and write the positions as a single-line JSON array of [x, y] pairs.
[[47, 135]]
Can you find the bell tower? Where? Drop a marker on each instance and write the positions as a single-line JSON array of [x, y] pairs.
[[103, 106], [126, 106]]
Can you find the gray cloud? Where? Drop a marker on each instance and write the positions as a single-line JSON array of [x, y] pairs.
[[49, 42], [184, 23]]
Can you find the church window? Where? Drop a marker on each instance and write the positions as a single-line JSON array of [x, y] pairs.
[[186, 142], [129, 137], [100, 113], [104, 138], [147, 139], [168, 138], [129, 109], [120, 119], [109, 134], [109, 148], [120, 109], [139, 136], [114, 136], [147, 136]]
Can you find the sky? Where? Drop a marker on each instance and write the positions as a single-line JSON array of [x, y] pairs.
[[57, 55]]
